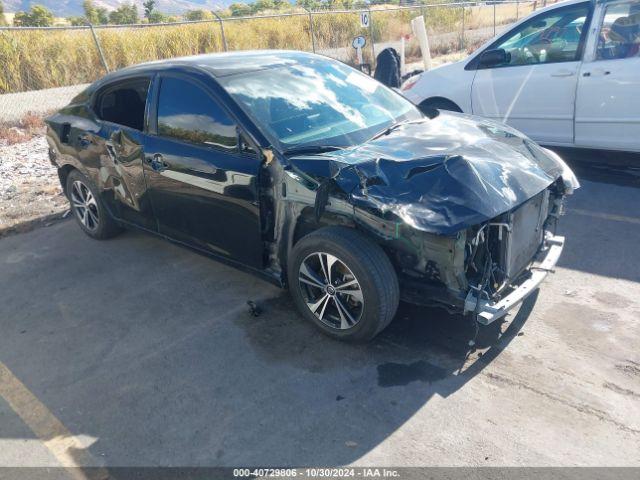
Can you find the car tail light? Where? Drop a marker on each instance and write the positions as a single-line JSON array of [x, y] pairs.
[[409, 83]]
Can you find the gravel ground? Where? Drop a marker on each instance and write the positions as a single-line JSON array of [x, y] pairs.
[[29, 188]]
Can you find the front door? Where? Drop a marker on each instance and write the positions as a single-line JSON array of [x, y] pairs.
[[608, 98], [203, 188], [534, 91]]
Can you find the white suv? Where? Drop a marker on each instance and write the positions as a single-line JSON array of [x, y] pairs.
[[566, 75]]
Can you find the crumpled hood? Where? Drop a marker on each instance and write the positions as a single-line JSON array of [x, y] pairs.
[[440, 175]]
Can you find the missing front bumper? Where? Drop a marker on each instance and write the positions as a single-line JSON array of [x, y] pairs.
[[489, 311]]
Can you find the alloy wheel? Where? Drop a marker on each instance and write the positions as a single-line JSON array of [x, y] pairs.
[[331, 290], [85, 206]]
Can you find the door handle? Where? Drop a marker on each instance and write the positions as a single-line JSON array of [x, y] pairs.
[[602, 72], [562, 73], [157, 163]]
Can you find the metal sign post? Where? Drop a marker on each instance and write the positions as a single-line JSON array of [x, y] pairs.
[[365, 22], [365, 19], [358, 43], [100, 52]]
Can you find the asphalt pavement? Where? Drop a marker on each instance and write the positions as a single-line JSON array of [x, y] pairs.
[[136, 352]]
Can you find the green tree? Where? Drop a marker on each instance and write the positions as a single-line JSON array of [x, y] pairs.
[[3, 21], [239, 9], [149, 6], [195, 15], [38, 16], [103, 15], [125, 14], [262, 5], [90, 13], [158, 17], [76, 21], [308, 4]]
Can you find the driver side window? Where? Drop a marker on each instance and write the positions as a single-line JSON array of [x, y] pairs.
[[548, 38]]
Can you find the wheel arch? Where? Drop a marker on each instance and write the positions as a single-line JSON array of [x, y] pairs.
[[438, 101], [63, 173], [305, 224]]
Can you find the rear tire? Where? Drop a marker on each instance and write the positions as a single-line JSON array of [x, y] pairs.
[[88, 209], [344, 283]]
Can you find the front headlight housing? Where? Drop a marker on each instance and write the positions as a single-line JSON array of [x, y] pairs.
[[569, 179]]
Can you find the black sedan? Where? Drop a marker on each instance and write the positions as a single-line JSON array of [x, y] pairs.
[[314, 176]]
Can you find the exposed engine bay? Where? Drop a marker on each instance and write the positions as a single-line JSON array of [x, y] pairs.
[[463, 229]]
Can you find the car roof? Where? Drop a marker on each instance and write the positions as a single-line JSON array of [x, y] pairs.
[[221, 64]]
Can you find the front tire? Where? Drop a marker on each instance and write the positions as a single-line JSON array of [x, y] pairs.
[[344, 283], [88, 209]]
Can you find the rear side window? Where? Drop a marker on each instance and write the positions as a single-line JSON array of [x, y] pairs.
[[620, 32], [124, 103], [189, 114]]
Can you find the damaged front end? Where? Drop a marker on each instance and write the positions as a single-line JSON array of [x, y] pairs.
[[469, 225], [509, 256]]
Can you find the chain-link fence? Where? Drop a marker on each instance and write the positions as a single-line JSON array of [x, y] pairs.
[[36, 59]]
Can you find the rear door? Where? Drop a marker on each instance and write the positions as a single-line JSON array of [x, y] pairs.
[[202, 185], [535, 90], [608, 97], [114, 153]]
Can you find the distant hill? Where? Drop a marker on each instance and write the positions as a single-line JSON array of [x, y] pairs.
[[66, 8]]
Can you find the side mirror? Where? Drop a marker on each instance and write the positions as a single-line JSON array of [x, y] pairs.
[[493, 58]]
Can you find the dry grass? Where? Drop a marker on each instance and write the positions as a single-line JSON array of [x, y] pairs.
[[32, 121], [22, 131], [34, 60]]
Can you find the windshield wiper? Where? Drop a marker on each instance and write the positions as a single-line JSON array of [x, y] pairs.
[[390, 129], [311, 149]]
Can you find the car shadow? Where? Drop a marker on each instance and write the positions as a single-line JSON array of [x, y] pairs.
[[602, 221], [422, 344], [152, 352], [424, 353], [614, 168]]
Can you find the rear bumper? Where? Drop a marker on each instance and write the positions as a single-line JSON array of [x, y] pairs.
[[489, 311]]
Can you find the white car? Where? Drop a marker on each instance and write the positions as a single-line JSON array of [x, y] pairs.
[[566, 75]]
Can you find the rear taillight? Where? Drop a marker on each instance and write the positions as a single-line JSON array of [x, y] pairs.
[[409, 83]]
